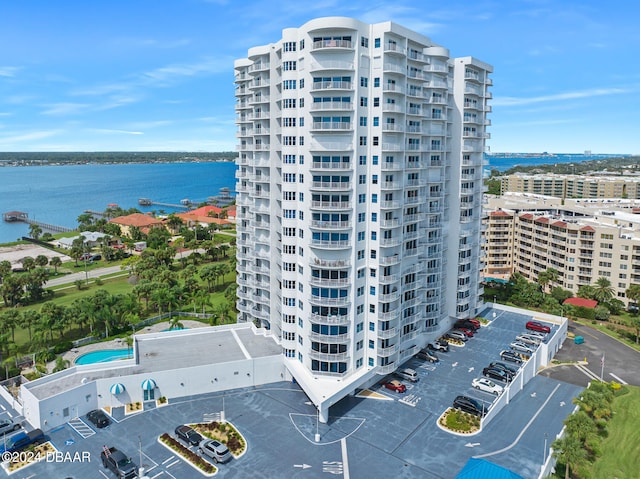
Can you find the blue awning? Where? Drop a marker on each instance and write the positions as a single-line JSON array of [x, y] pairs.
[[117, 388], [148, 385]]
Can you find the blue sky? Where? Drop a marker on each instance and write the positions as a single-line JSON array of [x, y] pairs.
[[149, 75]]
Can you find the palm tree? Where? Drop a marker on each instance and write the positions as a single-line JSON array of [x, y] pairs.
[[55, 262], [41, 260], [570, 451], [29, 319], [174, 323], [28, 263], [35, 231], [603, 291]]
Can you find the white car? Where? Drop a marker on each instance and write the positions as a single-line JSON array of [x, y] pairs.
[[487, 385], [525, 338], [521, 347]]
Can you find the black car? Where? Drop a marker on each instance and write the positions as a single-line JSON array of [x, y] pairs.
[[98, 418], [469, 405], [512, 370], [466, 325], [497, 374], [511, 356], [189, 435]]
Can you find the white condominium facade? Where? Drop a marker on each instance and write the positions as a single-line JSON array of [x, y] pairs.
[[359, 190]]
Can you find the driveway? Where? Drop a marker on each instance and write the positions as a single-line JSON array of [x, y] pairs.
[[620, 361]]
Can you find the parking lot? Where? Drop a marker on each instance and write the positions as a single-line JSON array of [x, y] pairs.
[[393, 436]]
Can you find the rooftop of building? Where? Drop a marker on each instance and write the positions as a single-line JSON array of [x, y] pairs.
[[136, 219], [168, 350]]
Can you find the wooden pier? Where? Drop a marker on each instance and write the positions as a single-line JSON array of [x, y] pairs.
[[148, 202], [19, 216]]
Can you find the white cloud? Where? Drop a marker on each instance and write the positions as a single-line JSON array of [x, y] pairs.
[[30, 136], [168, 74], [9, 72], [515, 101], [118, 132], [65, 108], [130, 42]]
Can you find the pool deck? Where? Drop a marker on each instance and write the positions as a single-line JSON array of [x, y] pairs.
[[119, 343]]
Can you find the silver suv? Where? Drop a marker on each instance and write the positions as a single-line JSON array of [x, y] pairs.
[[408, 374], [215, 450]]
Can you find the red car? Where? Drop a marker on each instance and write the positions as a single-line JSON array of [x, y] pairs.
[[536, 326], [474, 322], [396, 386], [467, 332]]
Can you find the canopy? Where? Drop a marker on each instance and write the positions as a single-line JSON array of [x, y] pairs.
[[117, 388], [148, 385]]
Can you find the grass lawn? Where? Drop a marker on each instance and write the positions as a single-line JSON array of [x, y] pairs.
[[621, 450]]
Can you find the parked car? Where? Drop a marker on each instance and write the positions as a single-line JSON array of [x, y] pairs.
[[85, 256], [521, 347], [98, 418], [508, 373], [215, 450], [7, 426], [396, 386], [188, 435], [536, 334], [475, 322], [427, 355], [510, 369], [457, 335], [95, 257], [469, 405], [466, 324], [408, 374], [496, 374], [467, 332], [486, 385], [536, 326], [22, 440], [507, 355], [118, 463], [439, 345], [526, 339]]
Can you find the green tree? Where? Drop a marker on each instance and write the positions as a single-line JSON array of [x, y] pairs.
[[61, 364], [570, 451], [28, 263], [603, 291], [35, 231], [10, 319], [12, 289], [586, 291], [602, 313], [209, 273], [28, 319], [41, 260], [55, 262]]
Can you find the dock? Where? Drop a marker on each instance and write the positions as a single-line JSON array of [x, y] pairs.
[[148, 202], [20, 216]]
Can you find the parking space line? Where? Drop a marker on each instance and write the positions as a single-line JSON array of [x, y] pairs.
[[621, 381], [157, 475], [177, 461], [167, 460], [586, 372], [345, 459]]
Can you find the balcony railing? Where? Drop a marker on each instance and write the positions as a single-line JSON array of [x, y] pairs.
[[337, 225], [331, 105], [331, 205], [332, 85], [332, 319], [330, 43]]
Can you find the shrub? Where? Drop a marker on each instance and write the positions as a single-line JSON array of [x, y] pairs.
[[62, 347]]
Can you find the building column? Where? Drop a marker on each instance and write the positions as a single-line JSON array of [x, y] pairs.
[[323, 413]]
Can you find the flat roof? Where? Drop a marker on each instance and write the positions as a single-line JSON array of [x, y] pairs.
[[165, 351]]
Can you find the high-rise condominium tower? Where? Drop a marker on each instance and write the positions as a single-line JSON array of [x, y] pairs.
[[359, 191]]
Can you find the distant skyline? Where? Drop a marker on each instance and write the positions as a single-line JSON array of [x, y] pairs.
[[142, 75]]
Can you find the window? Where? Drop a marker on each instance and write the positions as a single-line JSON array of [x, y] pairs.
[[376, 141], [374, 198], [376, 82], [289, 46], [372, 290], [362, 179], [374, 217], [363, 101], [364, 41], [364, 82], [289, 159], [362, 160], [361, 217], [376, 101], [360, 291], [361, 254], [359, 327], [375, 159], [363, 141], [376, 121], [363, 121], [289, 195], [301, 83], [360, 235], [374, 254], [362, 198], [376, 43], [288, 122], [289, 103], [289, 214], [289, 65], [374, 179], [374, 236], [372, 344], [289, 84]]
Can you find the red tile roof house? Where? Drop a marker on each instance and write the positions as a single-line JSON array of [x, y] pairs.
[[143, 222], [585, 303], [204, 215]]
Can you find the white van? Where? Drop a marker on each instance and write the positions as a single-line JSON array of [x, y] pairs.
[[408, 374]]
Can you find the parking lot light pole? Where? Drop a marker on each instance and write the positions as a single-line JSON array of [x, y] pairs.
[[317, 424]]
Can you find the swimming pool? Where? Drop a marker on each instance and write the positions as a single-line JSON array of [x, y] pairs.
[[103, 356]]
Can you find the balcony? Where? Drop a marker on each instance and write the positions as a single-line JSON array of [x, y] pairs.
[[330, 320], [331, 205], [388, 279], [390, 223], [257, 67], [392, 127], [331, 105], [390, 297], [392, 108], [331, 185], [388, 351], [390, 204], [331, 65], [330, 244], [387, 333], [322, 301], [329, 338], [314, 281], [328, 357], [392, 88], [330, 263], [332, 146], [332, 85], [390, 242], [389, 260], [331, 225], [330, 165], [332, 44], [332, 126]]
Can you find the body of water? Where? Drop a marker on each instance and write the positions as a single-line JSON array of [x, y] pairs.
[[504, 161], [59, 194], [103, 356]]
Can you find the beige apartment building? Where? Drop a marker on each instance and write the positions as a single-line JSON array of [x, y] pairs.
[[572, 186], [582, 239]]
